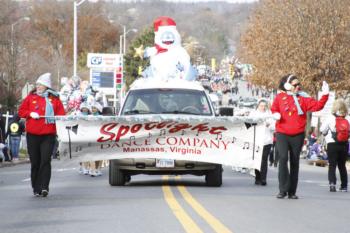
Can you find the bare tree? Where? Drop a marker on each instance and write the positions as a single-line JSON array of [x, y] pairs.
[[194, 49], [53, 34], [45, 42], [10, 48], [305, 37]]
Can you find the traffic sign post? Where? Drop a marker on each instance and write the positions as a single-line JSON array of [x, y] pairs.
[[106, 74]]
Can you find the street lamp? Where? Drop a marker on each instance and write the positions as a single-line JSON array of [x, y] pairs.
[[122, 39], [124, 35], [121, 36], [75, 32], [12, 76], [13, 31], [120, 44]]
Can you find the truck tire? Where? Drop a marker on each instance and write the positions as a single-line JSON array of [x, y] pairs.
[[116, 176], [213, 177]]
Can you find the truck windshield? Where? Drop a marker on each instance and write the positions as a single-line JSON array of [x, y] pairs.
[[166, 101]]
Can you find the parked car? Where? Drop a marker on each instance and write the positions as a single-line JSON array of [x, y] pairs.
[[247, 102], [175, 97]]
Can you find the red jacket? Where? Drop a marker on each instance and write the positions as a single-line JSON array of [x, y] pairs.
[[35, 103], [291, 123]]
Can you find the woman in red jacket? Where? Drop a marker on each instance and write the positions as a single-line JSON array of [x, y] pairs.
[[289, 108], [39, 109]]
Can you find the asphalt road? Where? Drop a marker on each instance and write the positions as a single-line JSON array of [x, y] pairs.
[[79, 203]]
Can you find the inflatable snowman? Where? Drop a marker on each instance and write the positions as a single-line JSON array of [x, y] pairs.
[[168, 58]]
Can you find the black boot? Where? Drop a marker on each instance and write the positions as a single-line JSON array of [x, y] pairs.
[[332, 188], [281, 195]]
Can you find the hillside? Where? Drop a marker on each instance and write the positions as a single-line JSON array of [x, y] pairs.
[[216, 25]]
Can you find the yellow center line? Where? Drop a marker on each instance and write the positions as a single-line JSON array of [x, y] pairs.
[[209, 218], [189, 225]]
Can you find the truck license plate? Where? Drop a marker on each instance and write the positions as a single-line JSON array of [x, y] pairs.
[[165, 163]]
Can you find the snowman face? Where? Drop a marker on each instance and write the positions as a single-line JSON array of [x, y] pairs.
[[167, 37]]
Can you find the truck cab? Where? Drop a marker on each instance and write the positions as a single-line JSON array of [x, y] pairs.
[[166, 97]]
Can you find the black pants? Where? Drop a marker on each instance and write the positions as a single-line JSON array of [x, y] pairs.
[[289, 148], [6, 154], [272, 152], [276, 157], [55, 149], [40, 149], [261, 175], [337, 155]]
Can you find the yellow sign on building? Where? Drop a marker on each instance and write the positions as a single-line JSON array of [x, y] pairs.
[[213, 64], [231, 70]]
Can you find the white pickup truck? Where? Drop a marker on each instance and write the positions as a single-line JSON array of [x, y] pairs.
[[173, 96]]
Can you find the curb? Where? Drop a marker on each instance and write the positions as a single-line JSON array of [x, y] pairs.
[[14, 163]]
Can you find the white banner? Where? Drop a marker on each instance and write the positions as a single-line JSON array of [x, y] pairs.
[[223, 140]]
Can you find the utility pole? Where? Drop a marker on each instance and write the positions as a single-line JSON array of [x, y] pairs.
[[75, 35]]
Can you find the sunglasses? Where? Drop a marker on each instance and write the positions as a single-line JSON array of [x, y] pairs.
[[297, 84]]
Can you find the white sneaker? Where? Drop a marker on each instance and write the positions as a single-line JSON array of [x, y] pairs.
[[93, 173], [85, 171]]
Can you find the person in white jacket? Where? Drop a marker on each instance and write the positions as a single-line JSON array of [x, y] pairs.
[[263, 110], [337, 151]]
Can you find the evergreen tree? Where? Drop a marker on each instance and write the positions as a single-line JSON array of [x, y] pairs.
[[132, 61]]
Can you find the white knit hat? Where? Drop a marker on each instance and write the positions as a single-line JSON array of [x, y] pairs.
[[85, 105], [45, 80], [97, 105]]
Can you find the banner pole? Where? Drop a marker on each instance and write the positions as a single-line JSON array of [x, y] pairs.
[[69, 143], [254, 125]]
